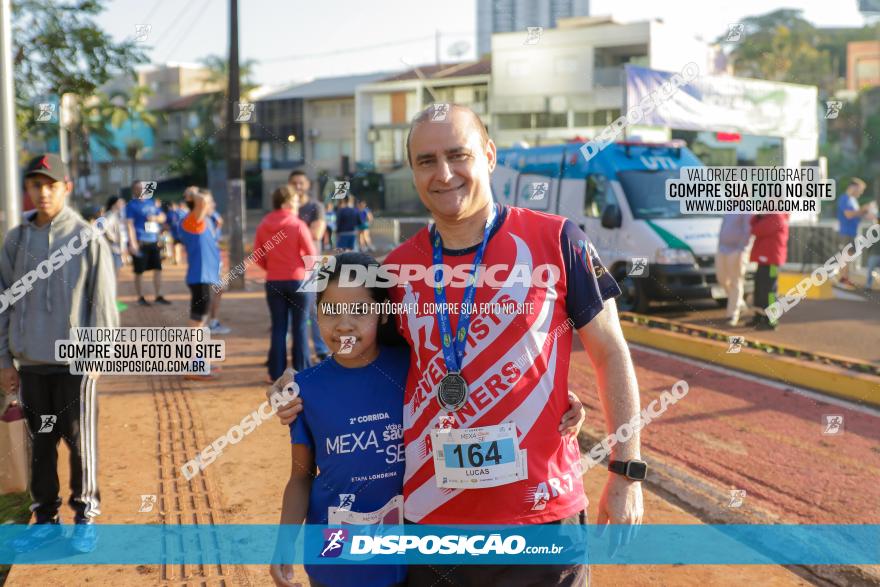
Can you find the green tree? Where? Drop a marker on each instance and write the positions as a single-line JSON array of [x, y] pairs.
[[782, 46], [58, 49], [193, 160]]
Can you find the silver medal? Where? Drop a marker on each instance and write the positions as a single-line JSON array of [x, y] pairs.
[[452, 391]]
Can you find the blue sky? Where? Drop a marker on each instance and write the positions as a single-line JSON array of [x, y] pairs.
[[301, 39]]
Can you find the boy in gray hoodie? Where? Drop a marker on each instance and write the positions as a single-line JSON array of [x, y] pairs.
[[56, 273]]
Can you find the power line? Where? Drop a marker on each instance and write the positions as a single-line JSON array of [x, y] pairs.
[[343, 51], [177, 19], [187, 29], [146, 19]]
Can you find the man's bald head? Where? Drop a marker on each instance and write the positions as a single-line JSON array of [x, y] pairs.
[[427, 114]]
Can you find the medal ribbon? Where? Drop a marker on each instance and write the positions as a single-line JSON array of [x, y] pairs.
[[453, 348]]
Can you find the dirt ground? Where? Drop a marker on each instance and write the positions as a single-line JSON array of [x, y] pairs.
[[149, 426]]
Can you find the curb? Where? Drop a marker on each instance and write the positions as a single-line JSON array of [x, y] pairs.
[[827, 379]]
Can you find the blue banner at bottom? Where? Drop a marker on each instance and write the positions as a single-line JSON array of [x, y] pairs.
[[417, 544]]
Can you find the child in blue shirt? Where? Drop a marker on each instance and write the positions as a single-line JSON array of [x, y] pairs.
[[351, 428]]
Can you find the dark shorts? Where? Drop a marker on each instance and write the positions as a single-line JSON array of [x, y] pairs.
[[844, 239], [507, 575], [150, 258], [200, 300]]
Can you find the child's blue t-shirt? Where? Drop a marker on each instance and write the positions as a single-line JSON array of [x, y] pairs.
[[352, 419]]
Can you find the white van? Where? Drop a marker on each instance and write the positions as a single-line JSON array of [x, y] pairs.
[[618, 199]]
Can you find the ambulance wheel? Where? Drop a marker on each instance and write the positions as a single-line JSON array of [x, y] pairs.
[[633, 297]]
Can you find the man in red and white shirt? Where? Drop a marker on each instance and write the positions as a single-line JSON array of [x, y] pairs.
[[515, 363]]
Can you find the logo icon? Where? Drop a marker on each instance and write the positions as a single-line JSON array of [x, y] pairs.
[[638, 267], [142, 32], [244, 112], [446, 421], [346, 500], [147, 503], [333, 542], [539, 190], [832, 109], [736, 343], [533, 35], [833, 424], [439, 112], [735, 32], [340, 189], [346, 344], [149, 189], [737, 496], [542, 497], [47, 423], [47, 112], [318, 270]]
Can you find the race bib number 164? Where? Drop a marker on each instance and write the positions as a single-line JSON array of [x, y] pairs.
[[473, 458]]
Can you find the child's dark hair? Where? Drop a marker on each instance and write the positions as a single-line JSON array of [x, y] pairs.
[[387, 333]]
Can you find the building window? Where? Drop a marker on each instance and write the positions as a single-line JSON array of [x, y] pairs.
[[293, 152], [511, 121], [551, 120], [583, 119], [607, 116]]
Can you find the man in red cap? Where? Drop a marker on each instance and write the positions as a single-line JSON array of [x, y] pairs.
[[56, 273]]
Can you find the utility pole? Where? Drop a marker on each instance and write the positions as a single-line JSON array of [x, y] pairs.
[[234, 183], [9, 188]]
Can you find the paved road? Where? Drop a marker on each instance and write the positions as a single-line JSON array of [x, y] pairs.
[[738, 432]]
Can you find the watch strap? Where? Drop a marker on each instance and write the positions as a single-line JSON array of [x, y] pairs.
[[618, 467]]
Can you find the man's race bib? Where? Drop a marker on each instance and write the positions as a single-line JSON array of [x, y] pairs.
[[389, 514], [151, 227], [472, 458]]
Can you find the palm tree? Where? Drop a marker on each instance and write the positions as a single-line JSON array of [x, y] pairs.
[[218, 75], [130, 106]]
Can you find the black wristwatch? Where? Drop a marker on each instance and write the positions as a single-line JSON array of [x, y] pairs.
[[633, 470]]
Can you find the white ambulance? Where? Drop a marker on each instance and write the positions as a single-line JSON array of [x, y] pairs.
[[618, 198]]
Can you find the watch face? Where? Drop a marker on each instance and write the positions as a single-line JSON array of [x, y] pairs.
[[637, 470]]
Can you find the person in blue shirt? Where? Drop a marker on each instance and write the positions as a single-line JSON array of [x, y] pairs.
[[365, 216], [176, 214], [849, 214], [203, 259], [144, 221], [347, 221], [356, 393]]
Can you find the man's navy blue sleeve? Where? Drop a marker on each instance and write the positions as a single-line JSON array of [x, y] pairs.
[[589, 282]]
